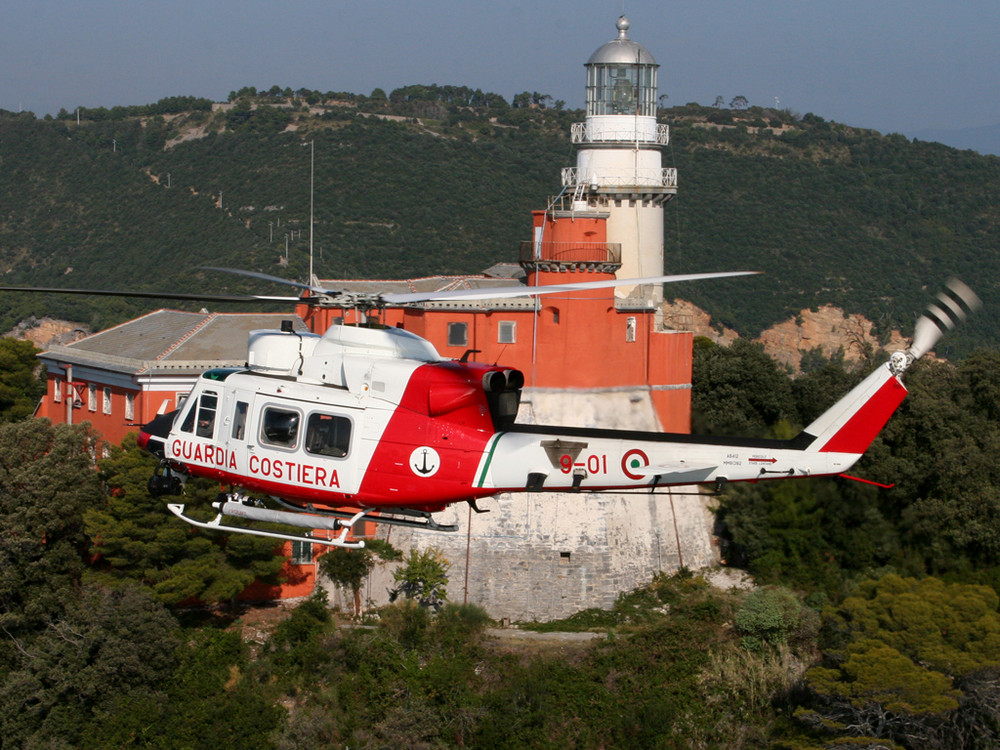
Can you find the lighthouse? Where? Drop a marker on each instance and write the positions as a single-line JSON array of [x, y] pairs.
[[593, 358], [619, 169]]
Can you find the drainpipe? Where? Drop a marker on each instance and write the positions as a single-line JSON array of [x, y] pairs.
[[70, 394]]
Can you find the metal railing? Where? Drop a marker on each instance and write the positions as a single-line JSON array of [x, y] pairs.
[[580, 133], [571, 252], [665, 177]]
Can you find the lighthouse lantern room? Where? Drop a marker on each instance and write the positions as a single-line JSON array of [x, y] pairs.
[[618, 166]]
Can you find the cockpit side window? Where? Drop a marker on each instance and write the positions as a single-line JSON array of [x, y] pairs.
[[279, 427], [200, 418], [328, 435], [208, 404]]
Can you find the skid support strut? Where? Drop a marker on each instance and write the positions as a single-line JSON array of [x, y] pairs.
[[235, 506]]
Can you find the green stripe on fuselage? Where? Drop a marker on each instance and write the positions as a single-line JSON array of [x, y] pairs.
[[489, 459]]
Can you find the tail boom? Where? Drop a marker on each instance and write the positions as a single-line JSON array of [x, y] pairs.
[[559, 459]]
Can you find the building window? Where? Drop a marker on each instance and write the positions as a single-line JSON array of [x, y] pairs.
[[630, 330], [458, 334], [302, 553], [107, 400], [129, 406], [507, 332], [92, 397], [279, 427], [57, 391]]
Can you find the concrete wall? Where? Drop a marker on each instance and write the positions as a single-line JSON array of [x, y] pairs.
[[544, 556]]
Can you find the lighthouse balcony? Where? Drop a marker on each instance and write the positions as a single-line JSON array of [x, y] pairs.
[[619, 130], [561, 257], [642, 180]]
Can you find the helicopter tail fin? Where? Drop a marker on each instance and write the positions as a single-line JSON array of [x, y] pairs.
[[851, 424]]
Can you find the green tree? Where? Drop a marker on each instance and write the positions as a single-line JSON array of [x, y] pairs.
[[424, 578], [350, 567], [47, 478], [136, 538], [21, 380], [738, 390], [895, 657], [104, 645], [773, 616], [213, 698]]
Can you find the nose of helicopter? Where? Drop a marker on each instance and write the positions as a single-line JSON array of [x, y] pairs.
[[153, 435]]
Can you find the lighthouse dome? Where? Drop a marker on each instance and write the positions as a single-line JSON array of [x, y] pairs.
[[621, 50]]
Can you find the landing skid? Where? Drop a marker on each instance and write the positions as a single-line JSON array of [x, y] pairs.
[[242, 506], [239, 510]]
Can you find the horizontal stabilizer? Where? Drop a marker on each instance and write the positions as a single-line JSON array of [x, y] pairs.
[[673, 467]]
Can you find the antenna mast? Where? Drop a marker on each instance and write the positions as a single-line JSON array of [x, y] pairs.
[[312, 174]]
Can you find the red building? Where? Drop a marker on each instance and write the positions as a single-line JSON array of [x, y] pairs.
[[589, 340]]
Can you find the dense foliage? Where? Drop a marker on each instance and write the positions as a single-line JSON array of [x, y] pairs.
[[133, 538], [877, 626], [941, 517], [876, 623], [441, 179]]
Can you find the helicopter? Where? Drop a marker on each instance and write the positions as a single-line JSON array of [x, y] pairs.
[[321, 432], [372, 423]]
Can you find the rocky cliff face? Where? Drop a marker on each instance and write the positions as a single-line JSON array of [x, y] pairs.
[[44, 332], [826, 329]]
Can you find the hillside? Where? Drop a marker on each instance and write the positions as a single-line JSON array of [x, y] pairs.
[[442, 180]]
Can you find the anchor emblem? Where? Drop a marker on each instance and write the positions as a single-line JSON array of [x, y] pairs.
[[425, 461]]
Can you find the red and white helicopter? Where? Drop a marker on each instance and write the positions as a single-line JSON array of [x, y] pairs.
[[321, 432], [366, 422]]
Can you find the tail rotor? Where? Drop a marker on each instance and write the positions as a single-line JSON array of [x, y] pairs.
[[952, 306]]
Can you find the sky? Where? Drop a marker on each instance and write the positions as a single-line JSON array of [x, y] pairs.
[[889, 65]]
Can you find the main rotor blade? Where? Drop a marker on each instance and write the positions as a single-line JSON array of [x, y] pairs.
[[268, 277], [531, 291], [152, 295]]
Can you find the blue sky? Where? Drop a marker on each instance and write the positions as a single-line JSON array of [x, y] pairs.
[[885, 64]]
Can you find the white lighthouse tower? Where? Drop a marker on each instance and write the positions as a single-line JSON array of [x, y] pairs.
[[618, 166]]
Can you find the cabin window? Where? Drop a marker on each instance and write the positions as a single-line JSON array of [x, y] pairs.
[[129, 406], [240, 420], [302, 553], [327, 435], [279, 427], [107, 400], [92, 397], [507, 332]]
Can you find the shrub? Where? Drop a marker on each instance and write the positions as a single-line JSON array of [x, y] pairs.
[[769, 617]]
